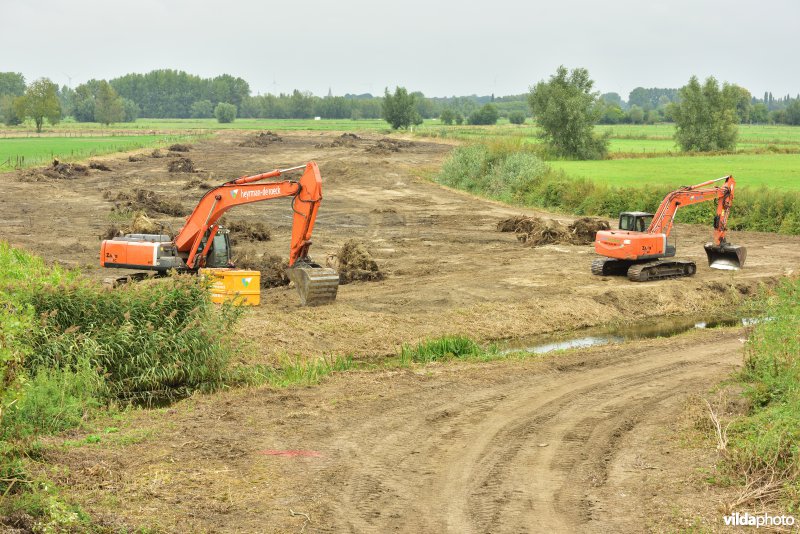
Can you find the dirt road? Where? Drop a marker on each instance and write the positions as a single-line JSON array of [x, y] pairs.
[[576, 442]]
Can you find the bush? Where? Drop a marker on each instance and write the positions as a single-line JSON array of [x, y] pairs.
[[487, 115], [202, 109], [447, 116], [516, 117], [225, 113], [763, 443], [68, 347]]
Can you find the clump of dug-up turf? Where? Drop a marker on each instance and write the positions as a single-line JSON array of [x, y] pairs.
[[181, 165], [146, 201], [584, 230], [140, 224], [354, 262], [272, 268], [98, 166], [133, 158], [261, 139], [179, 148], [535, 232], [387, 146], [250, 231], [157, 154], [197, 183], [57, 171], [347, 139]]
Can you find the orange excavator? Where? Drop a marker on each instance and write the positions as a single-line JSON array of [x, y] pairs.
[[202, 243], [640, 245]]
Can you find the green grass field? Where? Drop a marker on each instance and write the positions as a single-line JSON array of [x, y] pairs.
[[32, 151], [776, 171]]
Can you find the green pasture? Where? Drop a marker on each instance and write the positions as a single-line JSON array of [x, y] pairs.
[[775, 171], [31, 151]]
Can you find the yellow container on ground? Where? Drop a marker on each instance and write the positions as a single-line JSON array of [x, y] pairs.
[[240, 287]]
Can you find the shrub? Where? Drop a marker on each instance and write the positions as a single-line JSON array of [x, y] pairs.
[[487, 115], [202, 109], [516, 117], [447, 116], [225, 113]]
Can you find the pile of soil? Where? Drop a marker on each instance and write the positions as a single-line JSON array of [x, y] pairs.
[[250, 231], [157, 154], [140, 224], [146, 201], [197, 183], [354, 262], [272, 268], [584, 230], [387, 146], [535, 231], [181, 165], [133, 158], [261, 139], [98, 166], [179, 148]]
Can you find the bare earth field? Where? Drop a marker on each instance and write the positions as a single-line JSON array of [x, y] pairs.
[[586, 441]]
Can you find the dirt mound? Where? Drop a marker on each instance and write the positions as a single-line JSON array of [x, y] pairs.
[[133, 158], [197, 183], [583, 230], [140, 224], [354, 262], [57, 171], [157, 154], [348, 140], [387, 146], [146, 201], [181, 165], [99, 166], [272, 268], [251, 231], [261, 139], [179, 148], [535, 231]]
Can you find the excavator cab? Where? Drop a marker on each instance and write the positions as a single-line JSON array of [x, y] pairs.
[[635, 221], [219, 255]]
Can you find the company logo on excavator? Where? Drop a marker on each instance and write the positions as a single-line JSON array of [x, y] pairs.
[[263, 192], [234, 192]]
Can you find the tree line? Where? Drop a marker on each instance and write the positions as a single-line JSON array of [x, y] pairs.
[[176, 94]]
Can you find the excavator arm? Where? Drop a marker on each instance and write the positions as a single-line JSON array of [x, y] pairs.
[[686, 196]]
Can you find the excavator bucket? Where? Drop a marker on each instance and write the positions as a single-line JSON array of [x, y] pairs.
[[726, 257], [315, 284]]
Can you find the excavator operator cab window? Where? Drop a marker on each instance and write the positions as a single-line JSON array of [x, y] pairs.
[[219, 255], [635, 222]]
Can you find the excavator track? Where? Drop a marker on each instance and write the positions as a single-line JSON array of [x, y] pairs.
[[315, 284], [661, 270], [610, 267]]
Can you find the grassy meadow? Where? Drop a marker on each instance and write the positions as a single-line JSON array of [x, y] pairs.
[[33, 151]]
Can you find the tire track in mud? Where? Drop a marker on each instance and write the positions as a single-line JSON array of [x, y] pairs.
[[528, 454]]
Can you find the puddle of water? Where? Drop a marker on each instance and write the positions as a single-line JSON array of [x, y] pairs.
[[607, 336]]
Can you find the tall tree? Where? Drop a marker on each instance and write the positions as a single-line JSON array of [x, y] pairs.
[[705, 117], [12, 83], [108, 106], [566, 110], [399, 109], [40, 102]]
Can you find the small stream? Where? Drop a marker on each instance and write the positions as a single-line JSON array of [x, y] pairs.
[[593, 337]]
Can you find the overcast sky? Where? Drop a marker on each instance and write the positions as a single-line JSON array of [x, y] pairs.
[[442, 48]]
